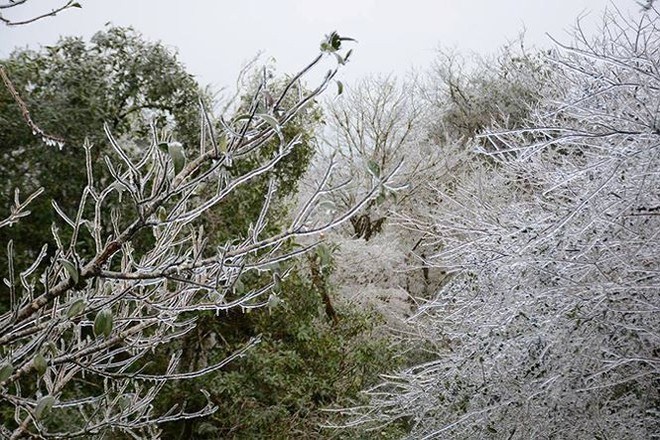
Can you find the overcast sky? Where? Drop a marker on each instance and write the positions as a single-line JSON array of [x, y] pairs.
[[214, 38]]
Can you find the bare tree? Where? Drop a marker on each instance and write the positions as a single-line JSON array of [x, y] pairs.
[[97, 316], [375, 124], [549, 325]]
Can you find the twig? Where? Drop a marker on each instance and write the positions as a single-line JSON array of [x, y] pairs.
[[48, 139]]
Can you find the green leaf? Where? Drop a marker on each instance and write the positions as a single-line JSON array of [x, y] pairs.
[[273, 301], [324, 254], [44, 406], [332, 42], [76, 308], [239, 287], [50, 345], [335, 41], [381, 197], [374, 168], [75, 5], [161, 214], [270, 121], [40, 364], [71, 269], [277, 283], [175, 149], [241, 117], [340, 88], [163, 147], [274, 267], [222, 144], [103, 323], [123, 402], [6, 370]]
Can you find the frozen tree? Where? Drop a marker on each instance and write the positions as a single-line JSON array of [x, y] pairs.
[[96, 315], [468, 96], [549, 323], [374, 125]]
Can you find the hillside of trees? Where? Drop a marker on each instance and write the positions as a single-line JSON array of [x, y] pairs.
[[470, 252]]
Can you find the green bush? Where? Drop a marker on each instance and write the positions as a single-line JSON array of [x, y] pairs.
[[305, 363]]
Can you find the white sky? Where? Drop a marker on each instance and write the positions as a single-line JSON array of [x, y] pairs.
[[214, 38]]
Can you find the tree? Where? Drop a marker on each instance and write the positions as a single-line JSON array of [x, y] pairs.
[[100, 316], [374, 125], [497, 90], [72, 89], [548, 324]]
